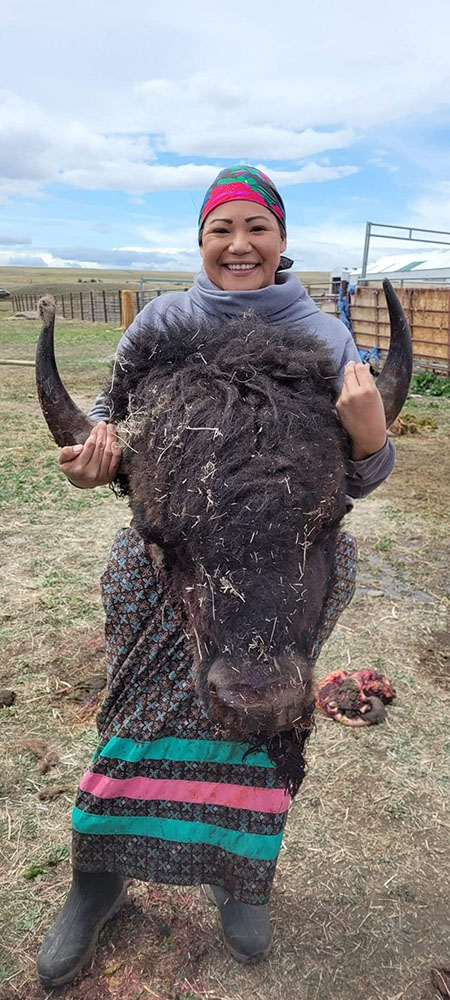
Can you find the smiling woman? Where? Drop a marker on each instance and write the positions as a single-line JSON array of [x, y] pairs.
[[179, 791], [241, 251]]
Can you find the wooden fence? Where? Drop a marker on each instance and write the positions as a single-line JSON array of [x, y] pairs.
[[106, 307], [427, 311]]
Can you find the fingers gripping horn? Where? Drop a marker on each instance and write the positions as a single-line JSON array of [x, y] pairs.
[[67, 423], [393, 383]]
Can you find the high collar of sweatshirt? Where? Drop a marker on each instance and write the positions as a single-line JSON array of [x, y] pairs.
[[286, 300]]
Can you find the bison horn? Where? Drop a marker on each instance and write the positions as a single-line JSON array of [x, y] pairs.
[[68, 424], [393, 383]]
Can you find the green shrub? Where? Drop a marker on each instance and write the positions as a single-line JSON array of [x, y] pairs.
[[430, 384]]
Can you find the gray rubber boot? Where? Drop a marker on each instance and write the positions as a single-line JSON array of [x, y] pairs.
[[93, 898], [246, 929]]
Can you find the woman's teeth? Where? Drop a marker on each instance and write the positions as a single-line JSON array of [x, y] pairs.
[[240, 267]]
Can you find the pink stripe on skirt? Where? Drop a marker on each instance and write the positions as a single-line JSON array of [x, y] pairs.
[[269, 800]]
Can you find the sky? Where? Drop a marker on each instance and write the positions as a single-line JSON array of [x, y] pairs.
[[114, 119]]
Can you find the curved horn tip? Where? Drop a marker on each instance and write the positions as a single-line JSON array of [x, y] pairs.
[[47, 309]]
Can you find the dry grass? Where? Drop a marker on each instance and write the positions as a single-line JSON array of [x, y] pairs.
[[39, 280], [360, 902]]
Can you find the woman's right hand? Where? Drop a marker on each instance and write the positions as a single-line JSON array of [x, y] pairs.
[[94, 463]]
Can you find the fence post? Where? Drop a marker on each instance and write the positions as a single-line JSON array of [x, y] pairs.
[[81, 305], [127, 316], [92, 307], [377, 323], [104, 306], [448, 336], [71, 303], [63, 305], [411, 314], [119, 293]]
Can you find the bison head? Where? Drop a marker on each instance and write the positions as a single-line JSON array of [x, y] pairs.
[[234, 465]]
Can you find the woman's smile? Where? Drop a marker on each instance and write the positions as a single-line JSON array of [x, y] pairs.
[[241, 246], [240, 268]]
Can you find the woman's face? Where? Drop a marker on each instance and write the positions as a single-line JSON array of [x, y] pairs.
[[241, 246]]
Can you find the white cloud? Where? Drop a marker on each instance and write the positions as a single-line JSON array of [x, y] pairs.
[[10, 188], [156, 235], [310, 173], [214, 82], [9, 240], [312, 248], [246, 140], [39, 258], [134, 258], [293, 66], [197, 116], [379, 161], [332, 244], [432, 208], [140, 177], [36, 150]]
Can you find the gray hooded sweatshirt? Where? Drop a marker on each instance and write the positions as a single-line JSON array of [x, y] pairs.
[[286, 301]]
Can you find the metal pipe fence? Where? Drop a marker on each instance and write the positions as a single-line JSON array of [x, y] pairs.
[[89, 307]]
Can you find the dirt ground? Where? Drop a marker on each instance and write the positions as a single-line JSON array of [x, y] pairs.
[[360, 902]]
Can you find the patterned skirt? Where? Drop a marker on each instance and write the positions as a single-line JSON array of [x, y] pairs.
[[168, 798]]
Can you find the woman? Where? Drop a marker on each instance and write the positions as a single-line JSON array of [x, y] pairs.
[[167, 797]]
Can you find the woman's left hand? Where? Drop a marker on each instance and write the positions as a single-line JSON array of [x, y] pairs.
[[360, 410]]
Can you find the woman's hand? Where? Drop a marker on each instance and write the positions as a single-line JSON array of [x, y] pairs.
[[95, 462], [360, 410]]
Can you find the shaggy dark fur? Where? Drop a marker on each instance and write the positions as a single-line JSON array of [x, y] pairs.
[[235, 469]]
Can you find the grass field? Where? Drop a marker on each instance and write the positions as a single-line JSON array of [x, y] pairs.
[[23, 280], [360, 902]]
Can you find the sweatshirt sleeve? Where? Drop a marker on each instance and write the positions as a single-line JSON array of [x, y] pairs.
[[365, 475]]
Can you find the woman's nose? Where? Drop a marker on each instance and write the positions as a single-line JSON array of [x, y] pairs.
[[240, 243]]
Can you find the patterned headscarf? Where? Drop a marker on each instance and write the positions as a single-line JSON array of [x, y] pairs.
[[242, 183]]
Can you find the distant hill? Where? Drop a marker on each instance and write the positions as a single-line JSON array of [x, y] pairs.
[[40, 280]]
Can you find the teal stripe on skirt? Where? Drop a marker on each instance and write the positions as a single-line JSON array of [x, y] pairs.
[[172, 748], [263, 847]]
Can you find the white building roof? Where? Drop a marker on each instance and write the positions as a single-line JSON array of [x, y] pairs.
[[419, 260]]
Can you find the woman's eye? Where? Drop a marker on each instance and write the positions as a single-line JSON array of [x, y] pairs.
[[220, 230], [258, 229]]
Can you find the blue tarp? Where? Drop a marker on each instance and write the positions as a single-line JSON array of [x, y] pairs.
[[344, 305]]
